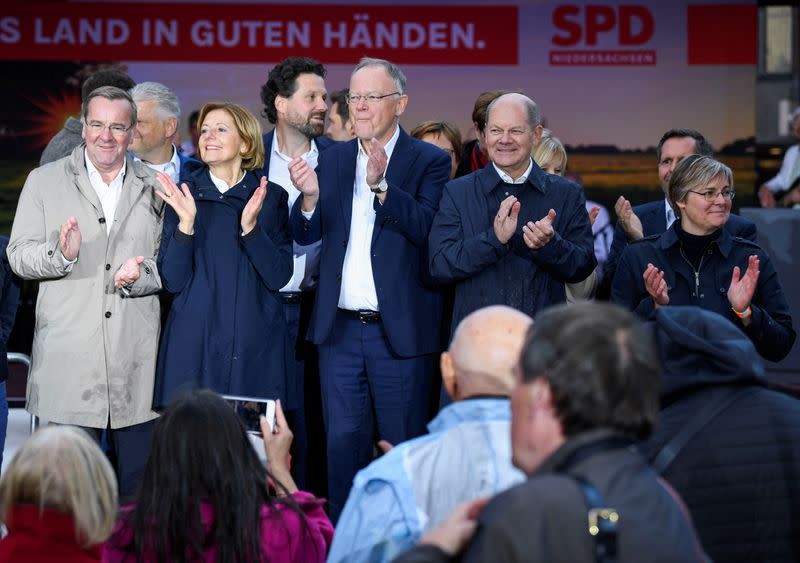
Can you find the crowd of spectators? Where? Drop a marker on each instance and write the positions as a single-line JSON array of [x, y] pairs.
[[426, 316]]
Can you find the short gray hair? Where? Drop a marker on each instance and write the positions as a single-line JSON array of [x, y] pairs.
[[167, 102], [534, 117], [110, 93], [392, 69], [695, 172]]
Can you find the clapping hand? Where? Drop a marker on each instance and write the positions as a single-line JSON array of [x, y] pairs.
[[69, 239], [655, 285], [505, 222], [128, 272], [305, 179], [180, 200], [630, 222], [253, 207], [741, 290], [538, 234]]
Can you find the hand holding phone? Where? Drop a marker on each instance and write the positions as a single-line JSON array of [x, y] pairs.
[[276, 445]]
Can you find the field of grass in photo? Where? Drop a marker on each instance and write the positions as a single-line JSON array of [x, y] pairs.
[[605, 178]]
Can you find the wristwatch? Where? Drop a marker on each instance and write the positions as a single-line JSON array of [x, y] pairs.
[[380, 187]]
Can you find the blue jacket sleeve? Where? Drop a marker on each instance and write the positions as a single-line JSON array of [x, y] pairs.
[[373, 526], [9, 298], [453, 256], [269, 244], [413, 214], [628, 290], [176, 255], [305, 231], [771, 327], [569, 256]]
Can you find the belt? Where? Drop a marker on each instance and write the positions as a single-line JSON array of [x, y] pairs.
[[363, 316], [291, 297]]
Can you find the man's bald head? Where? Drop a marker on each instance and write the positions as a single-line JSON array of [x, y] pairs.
[[485, 348]]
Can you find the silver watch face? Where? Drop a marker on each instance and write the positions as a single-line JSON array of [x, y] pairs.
[[383, 185]]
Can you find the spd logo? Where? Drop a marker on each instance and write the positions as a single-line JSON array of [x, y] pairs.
[[602, 35]]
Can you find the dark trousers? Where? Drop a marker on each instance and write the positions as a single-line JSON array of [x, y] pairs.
[[296, 417], [127, 449], [368, 393]]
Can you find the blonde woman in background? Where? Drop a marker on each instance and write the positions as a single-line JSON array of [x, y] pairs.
[[58, 499], [551, 157]]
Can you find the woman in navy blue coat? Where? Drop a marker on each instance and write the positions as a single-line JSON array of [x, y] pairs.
[[697, 262], [225, 252]]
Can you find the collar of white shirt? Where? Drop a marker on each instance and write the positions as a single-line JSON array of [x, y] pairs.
[[94, 173], [388, 147], [220, 184], [171, 167], [669, 214], [507, 179], [309, 156]]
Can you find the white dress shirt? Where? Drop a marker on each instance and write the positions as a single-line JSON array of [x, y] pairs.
[[789, 172], [108, 194], [171, 167], [669, 214], [306, 258], [222, 185], [507, 179], [358, 285]]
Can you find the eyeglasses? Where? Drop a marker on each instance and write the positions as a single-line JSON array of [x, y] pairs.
[[712, 195], [116, 129], [371, 99]]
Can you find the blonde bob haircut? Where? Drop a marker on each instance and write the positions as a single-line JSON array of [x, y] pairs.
[[695, 172], [549, 150], [62, 468], [248, 127]]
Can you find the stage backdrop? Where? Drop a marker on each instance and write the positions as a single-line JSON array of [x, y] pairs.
[[610, 76]]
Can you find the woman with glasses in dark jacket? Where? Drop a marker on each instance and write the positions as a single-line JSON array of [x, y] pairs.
[[697, 262]]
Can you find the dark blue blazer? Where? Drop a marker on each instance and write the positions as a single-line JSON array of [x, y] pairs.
[[654, 222], [226, 329], [323, 143], [464, 249], [410, 305]]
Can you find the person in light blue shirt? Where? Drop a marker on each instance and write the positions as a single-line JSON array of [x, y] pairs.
[[466, 455]]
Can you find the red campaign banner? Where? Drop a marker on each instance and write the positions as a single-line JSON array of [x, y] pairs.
[[722, 34], [241, 33]]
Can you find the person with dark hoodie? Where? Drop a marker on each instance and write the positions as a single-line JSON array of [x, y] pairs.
[[726, 443]]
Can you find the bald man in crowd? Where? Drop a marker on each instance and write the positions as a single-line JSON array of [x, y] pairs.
[[466, 455]]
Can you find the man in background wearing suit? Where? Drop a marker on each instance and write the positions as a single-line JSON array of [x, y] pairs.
[[157, 129], [294, 98], [655, 217], [376, 319]]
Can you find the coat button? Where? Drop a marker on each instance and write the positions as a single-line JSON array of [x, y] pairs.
[[49, 252], [339, 277], [101, 220], [108, 267], [344, 243], [146, 270], [108, 314]]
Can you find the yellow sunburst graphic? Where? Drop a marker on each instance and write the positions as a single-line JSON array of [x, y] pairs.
[[54, 111]]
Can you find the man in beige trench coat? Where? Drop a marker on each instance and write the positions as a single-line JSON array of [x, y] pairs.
[[88, 228]]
